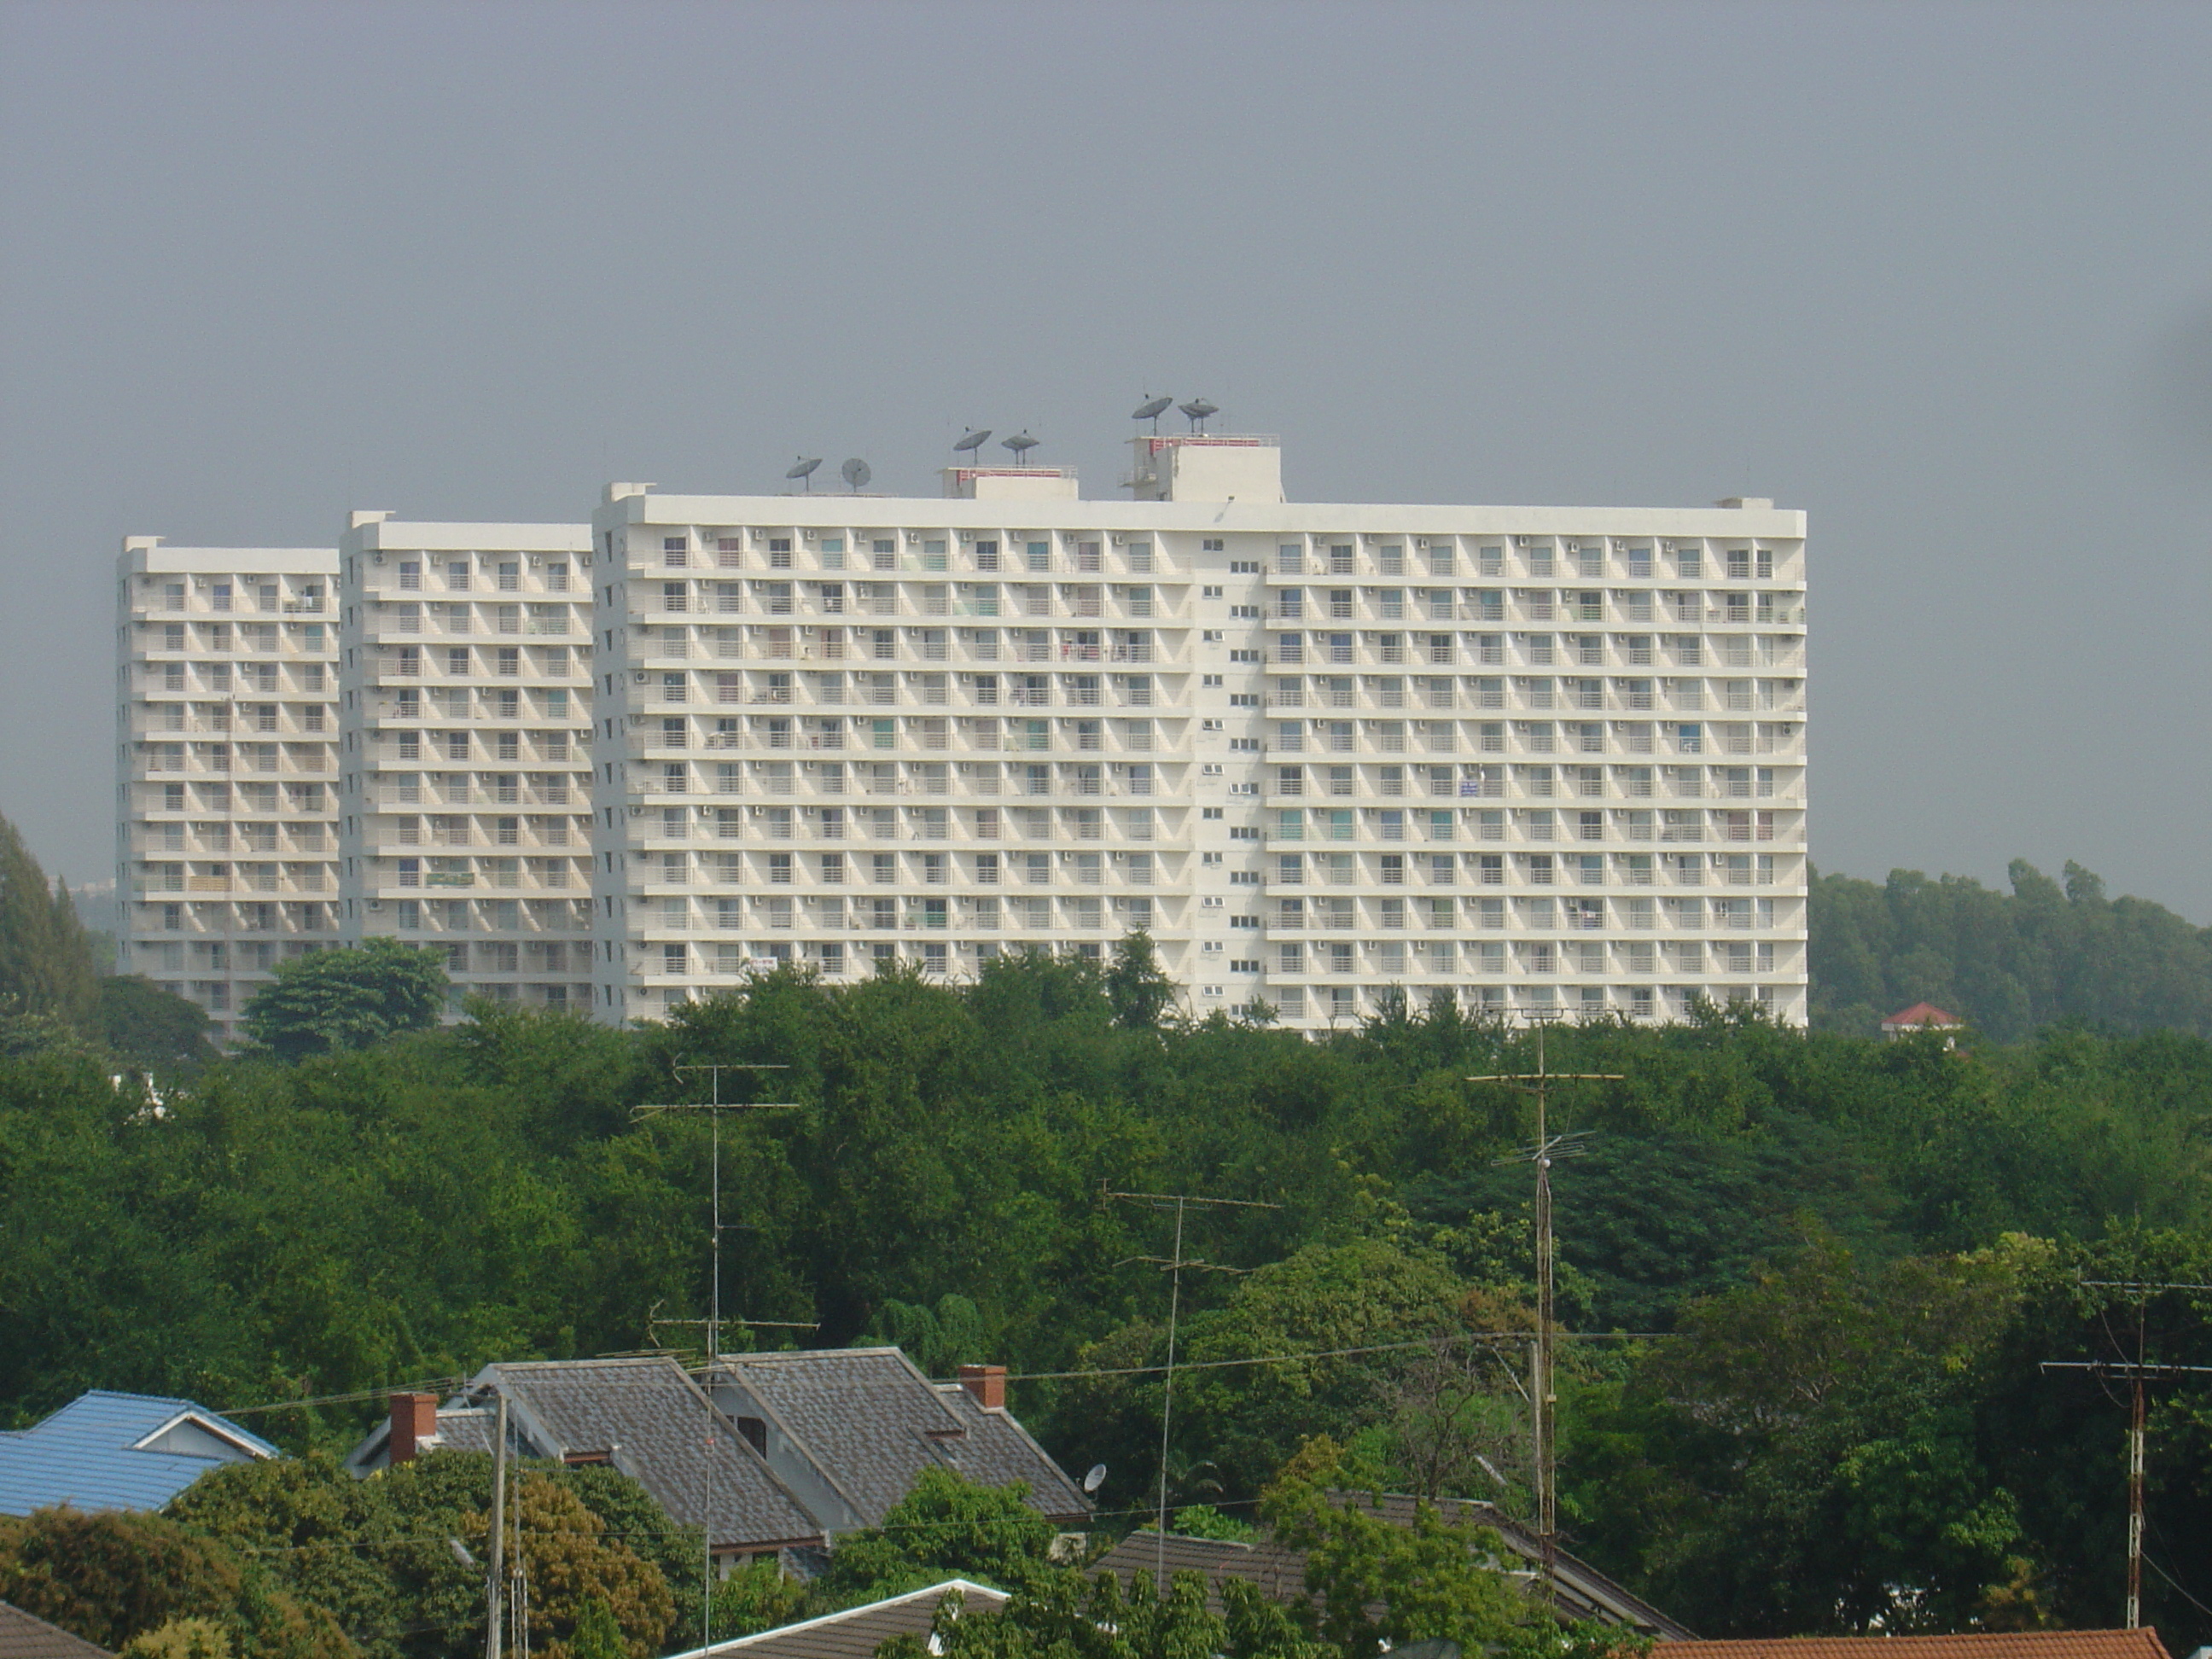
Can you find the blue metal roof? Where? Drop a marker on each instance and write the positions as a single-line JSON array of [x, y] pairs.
[[117, 1451]]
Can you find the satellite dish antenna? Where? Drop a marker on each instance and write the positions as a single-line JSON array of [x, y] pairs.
[[856, 474], [974, 441], [1095, 1479], [1151, 409], [1198, 411], [1021, 443], [805, 471]]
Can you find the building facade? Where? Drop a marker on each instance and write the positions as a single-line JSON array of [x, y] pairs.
[[464, 803], [1546, 760], [226, 743]]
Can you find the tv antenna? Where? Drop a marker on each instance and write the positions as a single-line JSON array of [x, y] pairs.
[[1198, 410], [804, 472], [1543, 1402], [2135, 1373], [1021, 443], [973, 441], [1174, 1264], [714, 1107], [856, 473], [1151, 409]]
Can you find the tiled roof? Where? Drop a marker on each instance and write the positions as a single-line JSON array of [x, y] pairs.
[[1585, 1592], [856, 1632], [997, 1448], [872, 1423], [1981, 1644], [22, 1636], [656, 1422], [1921, 1013], [117, 1451], [1280, 1573]]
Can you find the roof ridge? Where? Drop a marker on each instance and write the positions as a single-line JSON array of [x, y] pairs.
[[963, 1585]]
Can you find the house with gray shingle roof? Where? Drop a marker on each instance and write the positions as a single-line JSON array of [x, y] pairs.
[[776, 1453], [117, 1451], [22, 1636]]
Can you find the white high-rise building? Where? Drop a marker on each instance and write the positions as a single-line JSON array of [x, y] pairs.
[[226, 851], [1540, 759], [466, 680]]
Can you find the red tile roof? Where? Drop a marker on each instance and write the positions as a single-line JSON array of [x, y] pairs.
[[1981, 1644], [1921, 1013]]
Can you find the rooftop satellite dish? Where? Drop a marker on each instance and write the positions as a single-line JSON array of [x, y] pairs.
[[856, 474], [1198, 411], [1151, 409], [1096, 1478], [805, 470], [1021, 443], [974, 441]]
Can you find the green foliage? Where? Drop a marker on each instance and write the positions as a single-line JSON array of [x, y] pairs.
[[153, 1029], [46, 957], [182, 1638], [375, 1553], [1376, 1584], [598, 1635], [758, 1596], [2009, 964], [939, 1341], [945, 1527], [573, 1568], [1137, 985], [112, 1577], [367, 1218], [330, 1000], [1204, 1521]]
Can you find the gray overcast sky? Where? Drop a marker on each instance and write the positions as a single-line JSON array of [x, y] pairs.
[[1940, 274]]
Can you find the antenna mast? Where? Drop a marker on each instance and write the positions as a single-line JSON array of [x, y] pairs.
[[1174, 1264], [2137, 1373], [713, 1108], [1543, 1401]]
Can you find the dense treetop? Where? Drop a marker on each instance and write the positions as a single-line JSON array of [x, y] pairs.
[[2010, 964]]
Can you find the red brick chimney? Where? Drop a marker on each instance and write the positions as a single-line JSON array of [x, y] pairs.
[[414, 1419], [987, 1383]]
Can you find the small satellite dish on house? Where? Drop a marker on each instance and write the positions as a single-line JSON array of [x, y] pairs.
[[856, 473], [1096, 1478], [1151, 409], [974, 441], [804, 469], [1198, 411], [1021, 443]]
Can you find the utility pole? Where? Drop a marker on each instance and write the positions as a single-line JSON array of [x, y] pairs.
[[2135, 1373], [495, 1583], [1543, 1398], [713, 1107], [1174, 1264]]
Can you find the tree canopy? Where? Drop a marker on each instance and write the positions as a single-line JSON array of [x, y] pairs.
[[329, 1001], [2009, 963], [1809, 1277], [45, 956]]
